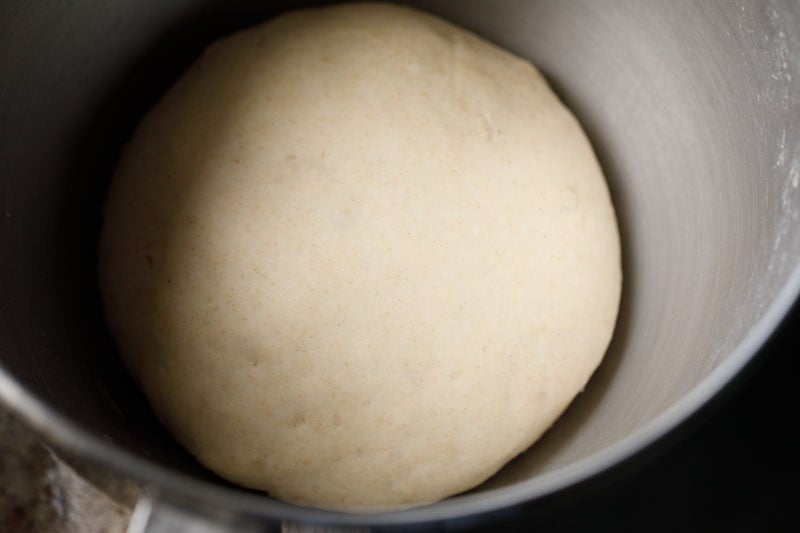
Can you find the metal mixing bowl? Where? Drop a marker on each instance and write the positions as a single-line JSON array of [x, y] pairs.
[[694, 110]]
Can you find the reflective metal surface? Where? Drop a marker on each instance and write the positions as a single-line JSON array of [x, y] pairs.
[[694, 109]]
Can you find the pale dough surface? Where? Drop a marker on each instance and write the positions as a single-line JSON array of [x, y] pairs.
[[359, 258]]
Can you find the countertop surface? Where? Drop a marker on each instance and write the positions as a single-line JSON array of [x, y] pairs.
[[734, 467], [41, 493]]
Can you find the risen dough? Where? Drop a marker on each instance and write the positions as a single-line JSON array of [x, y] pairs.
[[359, 258]]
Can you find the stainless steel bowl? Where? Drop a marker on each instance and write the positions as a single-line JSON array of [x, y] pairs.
[[694, 110]]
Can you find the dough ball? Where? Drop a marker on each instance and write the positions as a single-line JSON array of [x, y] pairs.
[[359, 258]]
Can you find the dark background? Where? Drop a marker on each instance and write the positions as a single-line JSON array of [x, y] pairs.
[[735, 466]]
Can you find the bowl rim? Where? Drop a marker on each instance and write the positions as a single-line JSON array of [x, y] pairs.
[[179, 489]]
